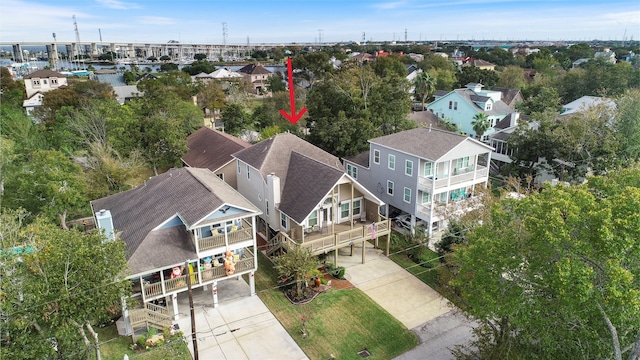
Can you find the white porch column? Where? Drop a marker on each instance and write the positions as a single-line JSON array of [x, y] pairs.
[[176, 315], [252, 283], [125, 317], [214, 293]]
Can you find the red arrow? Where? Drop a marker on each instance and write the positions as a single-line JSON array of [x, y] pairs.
[[293, 117]]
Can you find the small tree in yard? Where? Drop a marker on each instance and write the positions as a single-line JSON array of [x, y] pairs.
[[297, 264]]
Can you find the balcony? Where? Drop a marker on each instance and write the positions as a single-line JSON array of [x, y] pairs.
[[480, 174], [244, 233], [199, 278]]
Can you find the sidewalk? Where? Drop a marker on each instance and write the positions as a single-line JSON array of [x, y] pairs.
[[241, 327]]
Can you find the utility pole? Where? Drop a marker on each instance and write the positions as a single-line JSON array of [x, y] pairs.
[[194, 337], [405, 35], [54, 52]]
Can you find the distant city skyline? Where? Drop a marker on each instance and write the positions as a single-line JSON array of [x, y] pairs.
[[287, 21]]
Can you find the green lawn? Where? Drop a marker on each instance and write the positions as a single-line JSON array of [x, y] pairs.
[[340, 322], [114, 347]]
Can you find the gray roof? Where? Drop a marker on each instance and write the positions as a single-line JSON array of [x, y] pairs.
[[508, 95], [425, 143], [272, 155], [498, 107], [308, 182], [190, 193], [45, 73], [211, 149], [361, 159], [111, 79]]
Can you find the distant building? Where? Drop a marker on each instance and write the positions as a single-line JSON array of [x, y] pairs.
[[42, 81], [257, 75]]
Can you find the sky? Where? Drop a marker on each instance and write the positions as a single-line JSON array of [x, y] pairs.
[[309, 21]]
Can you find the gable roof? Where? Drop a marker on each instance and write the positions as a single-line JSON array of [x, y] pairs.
[[361, 159], [254, 69], [425, 143], [508, 95], [189, 193], [111, 79], [272, 155], [307, 183], [44, 73], [211, 149]]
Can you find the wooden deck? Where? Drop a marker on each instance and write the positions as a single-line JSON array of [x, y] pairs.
[[343, 235]]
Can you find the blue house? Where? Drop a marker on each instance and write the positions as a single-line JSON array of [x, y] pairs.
[[459, 107]]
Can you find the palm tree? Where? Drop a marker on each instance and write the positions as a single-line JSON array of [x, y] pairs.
[[480, 124], [425, 85]]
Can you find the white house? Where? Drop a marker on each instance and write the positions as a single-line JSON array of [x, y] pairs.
[[42, 81]]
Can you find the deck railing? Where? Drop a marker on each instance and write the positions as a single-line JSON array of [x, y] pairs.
[[427, 183], [150, 315], [199, 278], [244, 233], [338, 239]]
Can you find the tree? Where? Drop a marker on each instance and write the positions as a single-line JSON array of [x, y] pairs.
[[628, 124], [200, 57], [512, 77], [129, 77], [275, 83], [425, 85], [234, 118], [312, 67], [472, 74], [168, 67], [49, 304], [298, 265], [211, 96], [480, 124], [10, 90], [47, 183], [199, 66], [558, 272]]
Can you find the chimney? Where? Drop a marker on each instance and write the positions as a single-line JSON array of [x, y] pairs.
[[513, 121], [429, 127], [105, 221]]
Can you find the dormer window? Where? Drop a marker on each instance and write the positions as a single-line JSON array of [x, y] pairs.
[[488, 106]]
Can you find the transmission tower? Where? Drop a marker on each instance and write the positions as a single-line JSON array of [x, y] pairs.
[[75, 25], [248, 46], [405, 35], [364, 39], [224, 39], [54, 51], [320, 36]]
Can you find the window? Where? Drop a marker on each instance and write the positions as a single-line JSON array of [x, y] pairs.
[[283, 220], [407, 195], [248, 173], [54, 81], [390, 187], [376, 156], [455, 105], [44, 81], [443, 197], [36, 82], [344, 210], [313, 218], [392, 162], [267, 207], [357, 206], [352, 171], [408, 167], [488, 107], [238, 164], [428, 169], [442, 116], [426, 197], [450, 104], [462, 163], [221, 176]]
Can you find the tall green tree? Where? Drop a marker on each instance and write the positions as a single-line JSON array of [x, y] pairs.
[[49, 304], [472, 74], [234, 119], [425, 85], [557, 272], [299, 265], [480, 124], [628, 124]]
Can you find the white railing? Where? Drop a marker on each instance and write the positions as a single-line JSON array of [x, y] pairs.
[[480, 174]]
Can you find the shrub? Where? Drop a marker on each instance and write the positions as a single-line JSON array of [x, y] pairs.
[[141, 341]]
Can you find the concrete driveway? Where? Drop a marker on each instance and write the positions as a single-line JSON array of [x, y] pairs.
[[438, 324], [241, 327]]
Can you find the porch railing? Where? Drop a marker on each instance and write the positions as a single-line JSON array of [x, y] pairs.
[[198, 278], [338, 239], [479, 174], [150, 315], [244, 233]]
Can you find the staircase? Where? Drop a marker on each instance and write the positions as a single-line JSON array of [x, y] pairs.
[[494, 169], [150, 315], [274, 245]]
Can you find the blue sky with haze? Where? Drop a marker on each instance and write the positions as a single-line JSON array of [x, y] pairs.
[[285, 21]]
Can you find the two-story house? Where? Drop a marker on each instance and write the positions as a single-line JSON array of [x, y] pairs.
[[179, 226], [39, 82], [213, 149], [460, 106], [257, 76], [423, 172], [306, 198]]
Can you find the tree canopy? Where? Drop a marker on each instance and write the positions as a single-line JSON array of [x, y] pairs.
[[557, 273]]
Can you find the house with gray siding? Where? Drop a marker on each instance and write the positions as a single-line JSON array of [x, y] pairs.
[[423, 172], [306, 198]]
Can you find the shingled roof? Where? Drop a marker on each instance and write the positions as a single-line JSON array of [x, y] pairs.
[[211, 149], [253, 69], [308, 182], [190, 193], [425, 143], [44, 73], [272, 155]]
